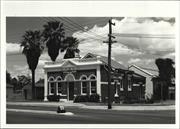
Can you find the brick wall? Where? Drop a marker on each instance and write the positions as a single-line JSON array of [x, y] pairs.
[[76, 74], [77, 83]]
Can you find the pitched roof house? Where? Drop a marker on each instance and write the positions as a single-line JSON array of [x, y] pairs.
[[149, 76]]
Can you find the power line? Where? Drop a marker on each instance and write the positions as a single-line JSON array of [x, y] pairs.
[[166, 36], [82, 28], [87, 34], [76, 25], [73, 28]]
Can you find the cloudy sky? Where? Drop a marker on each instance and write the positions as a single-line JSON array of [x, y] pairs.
[[139, 40]]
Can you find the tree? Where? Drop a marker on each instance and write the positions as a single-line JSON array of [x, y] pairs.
[[166, 72], [32, 49], [53, 34], [71, 46], [166, 68], [23, 80], [14, 82], [8, 77]]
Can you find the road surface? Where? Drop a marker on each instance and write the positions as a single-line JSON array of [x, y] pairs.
[[89, 116]]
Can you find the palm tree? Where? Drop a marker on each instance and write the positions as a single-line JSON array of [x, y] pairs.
[[71, 46], [32, 49], [53, 34]]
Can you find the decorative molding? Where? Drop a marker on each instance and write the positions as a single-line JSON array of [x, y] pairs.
[[65, 79], [106, 83], [49, 79], [83, 76], [45, 86], [58, 77]]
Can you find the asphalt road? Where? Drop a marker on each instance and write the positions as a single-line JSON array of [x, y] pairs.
[[89, 116]]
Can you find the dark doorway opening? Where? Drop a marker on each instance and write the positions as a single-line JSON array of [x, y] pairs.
[[71, 90]]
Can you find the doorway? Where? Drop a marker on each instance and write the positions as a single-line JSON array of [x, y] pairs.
[[71, 90], [70, 79]]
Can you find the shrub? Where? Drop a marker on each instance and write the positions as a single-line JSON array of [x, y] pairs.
[[116, 99], [87, 98], [94, 98], [81, 98], [149, 100], [53, 98], [128, 100]]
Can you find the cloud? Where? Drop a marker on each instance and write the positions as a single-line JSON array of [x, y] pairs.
[[148, 35], [170, 55], [120, 62], [46, 58], [135, 37], [131, 61], [139, 61], [146, 26], [13, 48], [20, 70]]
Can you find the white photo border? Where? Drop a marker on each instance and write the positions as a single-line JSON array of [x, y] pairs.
[[94, 9]]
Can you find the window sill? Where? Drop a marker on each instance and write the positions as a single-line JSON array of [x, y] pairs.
[[116, 95], [121, 89], [62, 94]]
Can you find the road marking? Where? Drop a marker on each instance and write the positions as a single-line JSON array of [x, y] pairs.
[[41, 112]]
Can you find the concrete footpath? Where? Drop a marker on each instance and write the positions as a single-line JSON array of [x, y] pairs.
[[84, 106]]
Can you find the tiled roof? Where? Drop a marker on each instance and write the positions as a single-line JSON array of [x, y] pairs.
[[104, 59]]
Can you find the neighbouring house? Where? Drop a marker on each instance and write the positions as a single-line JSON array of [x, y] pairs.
[[9, 91], [39, 90], [88, 75], [149, 91], [27, 92], [12, 94]]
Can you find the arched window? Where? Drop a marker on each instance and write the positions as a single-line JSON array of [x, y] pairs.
[[59, 85], [51, 85], [58, 78], [93, 85], [51, 79], [83, 79]]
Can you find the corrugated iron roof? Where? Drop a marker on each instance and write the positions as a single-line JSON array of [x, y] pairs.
[[143, 70]]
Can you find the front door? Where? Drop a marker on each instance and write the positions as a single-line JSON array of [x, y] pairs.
[[71, 90]]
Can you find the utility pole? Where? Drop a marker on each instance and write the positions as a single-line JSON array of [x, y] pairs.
[[109, 61]]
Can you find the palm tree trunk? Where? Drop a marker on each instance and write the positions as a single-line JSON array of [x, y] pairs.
[[33, 84]]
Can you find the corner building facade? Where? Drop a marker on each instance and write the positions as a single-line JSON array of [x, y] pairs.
[[88, 75]]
